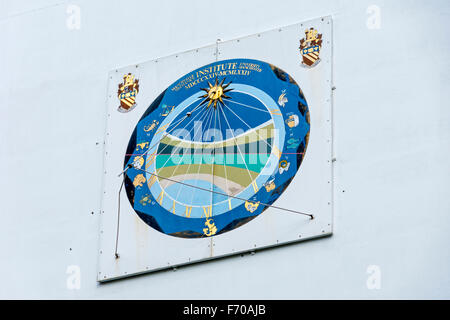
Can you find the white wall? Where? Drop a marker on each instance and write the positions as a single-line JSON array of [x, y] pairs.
[[392, 137]]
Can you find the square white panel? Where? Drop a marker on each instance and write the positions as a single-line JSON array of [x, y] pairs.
[[143, 249]]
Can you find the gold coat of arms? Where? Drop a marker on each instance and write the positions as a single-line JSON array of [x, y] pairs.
[[310, 47], [127, 93]]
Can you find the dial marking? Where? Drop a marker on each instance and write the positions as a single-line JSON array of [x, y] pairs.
[[150, 160], [162, 128], [255, 186], [207, 211], [277, 151], [275, 112], [160, 198], [151, 181], [188, 211]]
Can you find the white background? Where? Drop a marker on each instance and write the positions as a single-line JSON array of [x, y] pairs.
[[392, 137]]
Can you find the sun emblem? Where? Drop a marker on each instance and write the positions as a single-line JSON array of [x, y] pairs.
[[215, 93]]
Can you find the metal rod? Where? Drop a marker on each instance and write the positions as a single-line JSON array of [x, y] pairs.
[[118, 214], [124, 171], [224, 194]]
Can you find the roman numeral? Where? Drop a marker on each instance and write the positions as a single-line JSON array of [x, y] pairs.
[[275, 112], [255, 187], [207, 211], [151, 181], [163, 128], [277, 152], [150, 160], [160, 197], [188, 211]]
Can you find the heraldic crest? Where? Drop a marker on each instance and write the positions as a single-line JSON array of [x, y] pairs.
[[310, 47], [127, 93]]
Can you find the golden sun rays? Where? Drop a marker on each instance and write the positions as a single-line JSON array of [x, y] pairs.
[[215, 93]]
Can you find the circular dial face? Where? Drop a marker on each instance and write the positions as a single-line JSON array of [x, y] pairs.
[[216, 147]]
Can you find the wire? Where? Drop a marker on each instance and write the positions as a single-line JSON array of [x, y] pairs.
[[223, 194], [118, 215]]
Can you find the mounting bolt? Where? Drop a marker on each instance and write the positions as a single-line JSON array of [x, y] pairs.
[[333, 88], [117, 255], [333, 160]]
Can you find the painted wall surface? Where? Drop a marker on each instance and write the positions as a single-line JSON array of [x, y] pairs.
[[391, 144]]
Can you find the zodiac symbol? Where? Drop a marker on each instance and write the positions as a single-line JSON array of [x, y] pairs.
[[293, 143], [283, 166], [211, 228], [139, 180], [167, 110], [251, 206], [151, 126], [270, 185], [282, 99], [292, 121], [141, 145], [145, 200], [138, 162]]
